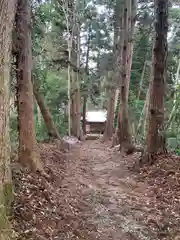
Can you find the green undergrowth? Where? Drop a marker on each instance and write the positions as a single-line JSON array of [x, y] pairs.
[[177, 151]]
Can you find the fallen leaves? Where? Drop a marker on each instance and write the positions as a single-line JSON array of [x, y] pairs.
[[90, 193], [36, 205], [163, 179], [49, 207]]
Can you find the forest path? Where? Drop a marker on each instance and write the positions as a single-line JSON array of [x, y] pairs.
[[92, 193], [105, 196]]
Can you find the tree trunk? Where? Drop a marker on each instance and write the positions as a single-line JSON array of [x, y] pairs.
[[48, 120], [74, 110], [86, 92], [129, 65], [73, 105], [69, 85], [69, 15], [123, 135], [118, 48], [84, 115], [109, 128], [132, 11], [28, 152], [76, 98], [146, 110], [38, 115], [75, 113], [155, 139], [7, 12], [116, 99], [125, 138], [144, 116], [79, 132]]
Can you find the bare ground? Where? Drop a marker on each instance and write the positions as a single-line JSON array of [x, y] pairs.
[[93, 192]]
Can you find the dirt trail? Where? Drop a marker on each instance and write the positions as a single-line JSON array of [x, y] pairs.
[[90, 193], [107, 194]]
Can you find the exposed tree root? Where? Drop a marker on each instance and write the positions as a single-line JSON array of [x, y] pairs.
[[132, 149], [150, 158]]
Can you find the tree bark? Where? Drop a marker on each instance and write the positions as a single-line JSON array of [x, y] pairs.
[[109, 128], [144, 116], [132, 11], [86, 93], [124, 132], [155, 139], [48, 120], [84, 115], [129, 65], [79, 132], [7, 12], [147, 104], [38, 115], [69, 88], [28, 152], [118, 49], [76, 95], [68, 9], [122, 135], [116, 99]]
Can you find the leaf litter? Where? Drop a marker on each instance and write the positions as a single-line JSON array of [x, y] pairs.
[[93, 192]]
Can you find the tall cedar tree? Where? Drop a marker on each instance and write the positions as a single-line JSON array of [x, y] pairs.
[[124, 133], [123, 64], [75, 85], [7, 12], [85, 97], [28, 153], [118, 63], [109, 128], [155, 140]]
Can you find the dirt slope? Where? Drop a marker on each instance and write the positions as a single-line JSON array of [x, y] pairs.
[[91, 194]]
